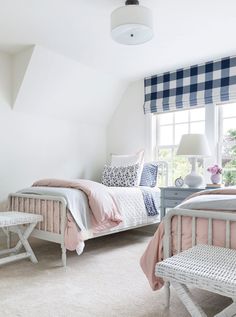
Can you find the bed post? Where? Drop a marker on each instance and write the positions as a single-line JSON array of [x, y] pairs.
[[63, 229], [167, 253], [63, 254]]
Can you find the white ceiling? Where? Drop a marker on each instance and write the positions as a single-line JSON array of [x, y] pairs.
[[186, 31]]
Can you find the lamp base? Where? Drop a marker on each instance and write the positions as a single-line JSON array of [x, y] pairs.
[[193, 180]]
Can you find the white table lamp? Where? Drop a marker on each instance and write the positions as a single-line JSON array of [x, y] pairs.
[[194, 146]]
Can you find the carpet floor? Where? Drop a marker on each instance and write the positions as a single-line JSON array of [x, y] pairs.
[[105, 281]]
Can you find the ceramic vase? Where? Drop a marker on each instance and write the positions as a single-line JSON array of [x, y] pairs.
[[215, 178]]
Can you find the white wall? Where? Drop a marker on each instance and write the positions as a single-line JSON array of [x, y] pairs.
[[59, 87], [126, 132], [33, 147]]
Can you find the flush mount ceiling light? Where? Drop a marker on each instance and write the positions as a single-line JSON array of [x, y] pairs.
[[131, 24]]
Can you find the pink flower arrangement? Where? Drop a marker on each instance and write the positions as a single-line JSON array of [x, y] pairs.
[[215, 169]]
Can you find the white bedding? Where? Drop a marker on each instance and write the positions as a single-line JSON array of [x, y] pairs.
[[211, 202], [129, 200], [132, 207]]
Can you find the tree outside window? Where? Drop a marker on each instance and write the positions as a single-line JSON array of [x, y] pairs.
[[229, 157], [227, 142]]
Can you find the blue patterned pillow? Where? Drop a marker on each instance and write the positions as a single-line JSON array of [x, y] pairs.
[[149, 175], [120, 176]]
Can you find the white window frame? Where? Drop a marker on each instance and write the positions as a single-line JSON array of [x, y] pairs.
[[174, 146], [213, 129]]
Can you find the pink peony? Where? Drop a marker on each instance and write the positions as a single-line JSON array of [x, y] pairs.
[[215, 169]]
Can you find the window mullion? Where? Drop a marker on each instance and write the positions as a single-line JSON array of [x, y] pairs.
[[173, 133], [189, 119], [220, 134]]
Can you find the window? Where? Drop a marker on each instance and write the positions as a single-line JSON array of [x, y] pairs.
[[170, 128], [227, 142], [219, 125]]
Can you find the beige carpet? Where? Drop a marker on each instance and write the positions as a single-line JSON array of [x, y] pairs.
[[105, 281]]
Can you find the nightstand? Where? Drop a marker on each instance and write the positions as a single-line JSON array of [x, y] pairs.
[[172, 196]]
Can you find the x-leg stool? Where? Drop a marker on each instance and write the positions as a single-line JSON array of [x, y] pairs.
[[13, 221]]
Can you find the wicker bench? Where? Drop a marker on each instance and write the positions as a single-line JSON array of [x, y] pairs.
[[206, 267], [22, 224]]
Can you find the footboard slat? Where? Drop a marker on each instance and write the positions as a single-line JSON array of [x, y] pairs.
[[38, 211], [50, 216], [56, 212], [193, 231], [227, 234], [179, 233], [210, 231]]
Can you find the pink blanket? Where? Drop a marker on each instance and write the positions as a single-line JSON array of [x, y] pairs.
[[105, 213], [154, 252]]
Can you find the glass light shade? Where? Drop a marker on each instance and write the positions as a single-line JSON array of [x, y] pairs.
[[132, 25]]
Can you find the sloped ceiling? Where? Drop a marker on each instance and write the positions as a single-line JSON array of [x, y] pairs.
[[47, 83], [66, 65], [185, 32], [20, 63]]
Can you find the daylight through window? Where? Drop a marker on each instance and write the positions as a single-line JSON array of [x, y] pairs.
[[227, 142], [170, 128]]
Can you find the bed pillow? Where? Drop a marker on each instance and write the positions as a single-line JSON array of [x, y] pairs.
[[129, 160], [149, 174], [120, 176]]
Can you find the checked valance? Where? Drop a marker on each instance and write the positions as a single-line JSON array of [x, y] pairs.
[[194, 86]]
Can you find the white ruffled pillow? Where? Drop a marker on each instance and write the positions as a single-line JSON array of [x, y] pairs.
[[129, 160]]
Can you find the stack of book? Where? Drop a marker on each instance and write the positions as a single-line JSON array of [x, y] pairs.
[[211, 186]]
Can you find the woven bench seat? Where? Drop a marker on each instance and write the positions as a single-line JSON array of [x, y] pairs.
[[12, 218], [205, 267]]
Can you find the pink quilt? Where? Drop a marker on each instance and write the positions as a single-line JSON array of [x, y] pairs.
[[105, 213], [154, 251]]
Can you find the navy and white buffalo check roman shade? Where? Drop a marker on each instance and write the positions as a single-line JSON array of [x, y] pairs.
[[198, 85]]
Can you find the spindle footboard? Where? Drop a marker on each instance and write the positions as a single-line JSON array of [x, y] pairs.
[[54, 212], [230, 225]]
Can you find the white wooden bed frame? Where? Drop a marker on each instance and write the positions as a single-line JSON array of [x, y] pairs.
[[45, 205], [228, 217]]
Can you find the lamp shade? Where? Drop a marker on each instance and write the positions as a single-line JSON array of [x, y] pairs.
[[132, 25], [194, 145]]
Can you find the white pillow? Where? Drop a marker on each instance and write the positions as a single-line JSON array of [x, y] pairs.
[[128, 160]]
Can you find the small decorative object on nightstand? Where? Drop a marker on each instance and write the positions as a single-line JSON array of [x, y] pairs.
[[214, 186], [216, 172], [179, 182], [172, 196]]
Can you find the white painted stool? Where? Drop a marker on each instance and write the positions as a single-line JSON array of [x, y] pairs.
[[206, 267], [12, 221]]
